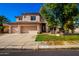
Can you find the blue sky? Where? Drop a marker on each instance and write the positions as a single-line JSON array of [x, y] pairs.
[[10, 10]]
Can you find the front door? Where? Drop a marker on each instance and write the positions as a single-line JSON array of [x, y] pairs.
[[43, 27]]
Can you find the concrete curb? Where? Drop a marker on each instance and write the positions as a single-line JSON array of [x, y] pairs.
[[46, 47]]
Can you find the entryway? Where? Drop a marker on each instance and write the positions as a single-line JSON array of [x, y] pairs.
[[43, 27]]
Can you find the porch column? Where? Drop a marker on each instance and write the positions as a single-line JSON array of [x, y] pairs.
[[23, 18], [47, 29], [38, 28], [10, 29], [19, 29]]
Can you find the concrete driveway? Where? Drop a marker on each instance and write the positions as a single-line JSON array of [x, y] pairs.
[[19, 41]]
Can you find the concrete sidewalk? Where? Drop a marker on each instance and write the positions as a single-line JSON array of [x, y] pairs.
[[58, 46]]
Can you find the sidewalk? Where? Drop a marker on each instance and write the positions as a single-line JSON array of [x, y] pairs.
[[37, 45], [58, 46]]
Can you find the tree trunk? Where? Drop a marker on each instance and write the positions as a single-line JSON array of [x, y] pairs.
[[62, 28], [1, 30], [53, 30], [72, 31]]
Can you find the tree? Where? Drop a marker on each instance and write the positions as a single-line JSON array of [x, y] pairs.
[[60, 13], [70, 12], [47, 12], [3, 20]]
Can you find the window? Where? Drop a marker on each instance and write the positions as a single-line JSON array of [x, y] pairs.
[[33, 18], [20, 18]]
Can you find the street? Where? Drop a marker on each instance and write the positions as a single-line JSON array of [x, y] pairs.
[[10, 52]]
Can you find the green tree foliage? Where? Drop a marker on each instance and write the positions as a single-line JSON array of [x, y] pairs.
[[47, 12], [60, 13], [3, 20]]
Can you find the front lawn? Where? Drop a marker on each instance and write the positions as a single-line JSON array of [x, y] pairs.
[[46, 37]]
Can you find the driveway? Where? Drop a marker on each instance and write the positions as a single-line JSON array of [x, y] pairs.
[[22, 41]]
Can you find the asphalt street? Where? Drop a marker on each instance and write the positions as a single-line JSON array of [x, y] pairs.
[[47, 52]]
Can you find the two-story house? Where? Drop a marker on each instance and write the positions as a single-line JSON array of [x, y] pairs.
[[27, 22]]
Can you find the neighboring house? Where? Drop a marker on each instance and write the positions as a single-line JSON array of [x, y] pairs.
[[27, 22]]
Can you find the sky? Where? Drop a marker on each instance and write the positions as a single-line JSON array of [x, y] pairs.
[[10, 10]]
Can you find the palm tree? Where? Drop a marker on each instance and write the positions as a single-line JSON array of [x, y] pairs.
[[3, 20]]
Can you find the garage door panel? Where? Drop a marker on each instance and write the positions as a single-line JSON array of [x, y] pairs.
[[14, 29], [28, 28], [24, 29]]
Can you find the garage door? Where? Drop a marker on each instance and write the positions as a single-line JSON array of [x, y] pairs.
[[14, 29], [26, 29]]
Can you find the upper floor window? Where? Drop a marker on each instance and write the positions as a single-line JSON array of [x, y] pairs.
[[20, 18], [33, 18]]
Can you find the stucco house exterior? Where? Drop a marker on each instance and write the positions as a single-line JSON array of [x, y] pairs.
[[27, 22]]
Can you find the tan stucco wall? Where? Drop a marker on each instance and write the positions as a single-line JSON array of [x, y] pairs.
[[28, 18], [76, 30], [25, 27], [6, 29]]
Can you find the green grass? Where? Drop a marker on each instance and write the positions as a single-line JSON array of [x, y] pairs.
[[45, 37]]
